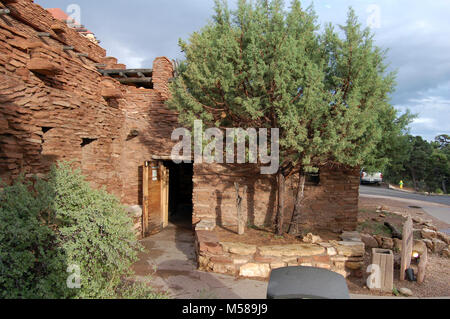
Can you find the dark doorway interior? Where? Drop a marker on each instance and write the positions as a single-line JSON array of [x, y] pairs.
[[180, 193]]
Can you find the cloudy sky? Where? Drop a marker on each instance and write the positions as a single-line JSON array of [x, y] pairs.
[[417, 34]]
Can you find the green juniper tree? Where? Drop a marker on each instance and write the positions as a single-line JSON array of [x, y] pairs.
[[440, 164], [262, 66], [425, 165]]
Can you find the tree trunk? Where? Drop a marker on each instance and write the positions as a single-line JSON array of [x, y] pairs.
[[240, 218], [444, 189], [298, 204], [413, 175], [280, 210]]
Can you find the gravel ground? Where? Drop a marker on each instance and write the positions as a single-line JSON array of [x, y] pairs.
[[400, 206], [437, 279], [436, 284]]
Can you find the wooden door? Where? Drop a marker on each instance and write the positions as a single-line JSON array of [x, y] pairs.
[[155, 202]]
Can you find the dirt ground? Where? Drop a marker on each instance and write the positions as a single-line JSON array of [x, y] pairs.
[[264, 236], [436, 284], [254, 236], [437, 278]]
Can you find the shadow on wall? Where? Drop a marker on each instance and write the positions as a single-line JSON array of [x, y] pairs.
[[20, 152], [220, 178], [140, 185]]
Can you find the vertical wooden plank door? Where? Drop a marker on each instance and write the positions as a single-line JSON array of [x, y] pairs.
[[155, 198]]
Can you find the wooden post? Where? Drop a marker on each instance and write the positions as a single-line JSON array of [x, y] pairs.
[[240, 218], [384, 259], [164, 195], [407, 246], [422, 267], [145, 176], [280, 210]]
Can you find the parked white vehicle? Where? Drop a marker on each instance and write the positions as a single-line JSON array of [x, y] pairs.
[[375, 178]]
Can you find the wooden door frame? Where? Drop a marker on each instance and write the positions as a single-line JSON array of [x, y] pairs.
[[145, 185], [163, 174]]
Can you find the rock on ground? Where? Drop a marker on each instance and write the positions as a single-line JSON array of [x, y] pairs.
[[369, 241], [406, 292]]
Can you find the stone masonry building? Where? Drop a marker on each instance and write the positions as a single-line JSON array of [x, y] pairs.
[[62, 98]]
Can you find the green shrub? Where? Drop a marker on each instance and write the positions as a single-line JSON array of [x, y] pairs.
[[31, 261], [138, 290], [94, 231], [59, 222]]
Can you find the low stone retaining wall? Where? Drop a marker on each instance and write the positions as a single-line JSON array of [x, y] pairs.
[[255, 261]]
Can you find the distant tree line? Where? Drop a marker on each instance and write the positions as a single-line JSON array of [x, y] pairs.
[[422, 165]]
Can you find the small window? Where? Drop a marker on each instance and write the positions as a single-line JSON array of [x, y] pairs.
[[45, 129], [87, 141], [312, 179]]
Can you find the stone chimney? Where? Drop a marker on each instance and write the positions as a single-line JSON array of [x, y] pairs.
[[162, 72]]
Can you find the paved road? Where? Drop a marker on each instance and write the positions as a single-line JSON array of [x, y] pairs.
[[436, 206], [375, 190]]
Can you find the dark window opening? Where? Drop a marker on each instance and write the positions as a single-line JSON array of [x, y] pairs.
[[87, 141], [45, 129], [133, 133], [312, 179], [180, 193]]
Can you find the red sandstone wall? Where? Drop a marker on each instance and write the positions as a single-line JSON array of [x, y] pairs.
[[46, 118], [332, 205]]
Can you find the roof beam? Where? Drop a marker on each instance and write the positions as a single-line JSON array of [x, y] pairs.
[[134, 80], [125, 71]]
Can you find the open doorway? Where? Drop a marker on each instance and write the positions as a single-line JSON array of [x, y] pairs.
[[167, 195], [180, 193]]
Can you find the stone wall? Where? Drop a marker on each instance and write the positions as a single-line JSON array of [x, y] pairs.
[[330, 205], [257, 261], [55, 105]]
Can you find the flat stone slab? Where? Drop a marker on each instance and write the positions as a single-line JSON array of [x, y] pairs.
[[239, 248], [351, 236], [297, 250], [206, 236], [208, 242], [205, 225], [252, 270], [350, 248]]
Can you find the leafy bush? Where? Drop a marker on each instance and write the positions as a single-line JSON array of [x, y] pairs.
[[138, 290], [59, 222], [31, 263]]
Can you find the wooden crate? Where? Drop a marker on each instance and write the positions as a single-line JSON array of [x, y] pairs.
[[384, 259]]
